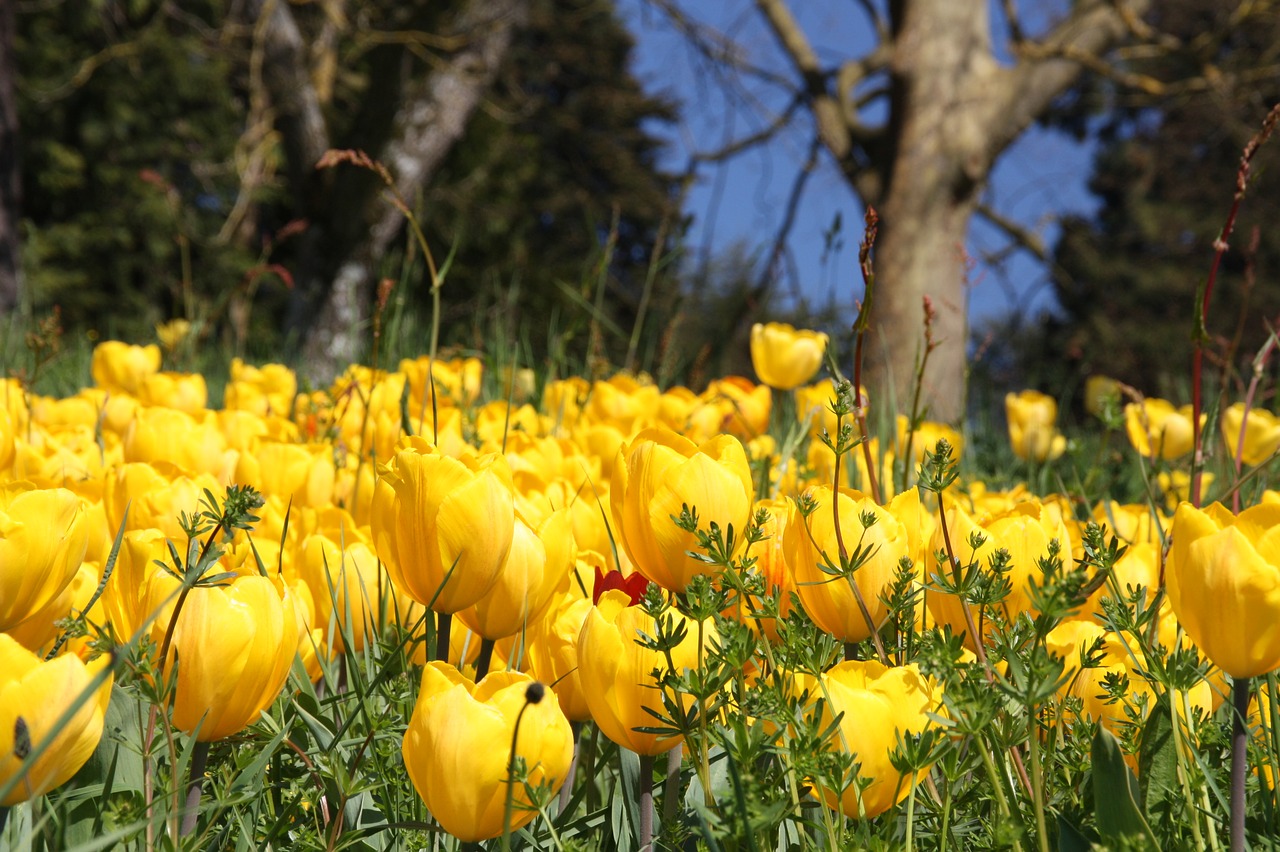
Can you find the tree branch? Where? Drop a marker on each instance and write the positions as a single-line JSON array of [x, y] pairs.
[[1020, 235]]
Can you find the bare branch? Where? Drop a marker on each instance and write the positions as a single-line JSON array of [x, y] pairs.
[[832, 128], [746, 143], [1020, 235]]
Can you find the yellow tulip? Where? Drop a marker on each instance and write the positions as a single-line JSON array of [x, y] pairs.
[[140, 594], [617, 672], [811, 543], [43, 537], [235, 645], [1098, 391], [736, 406], [925, 439], [155, 495], [1223, 578], [879, 705], [303, 472], [551, 652], [269, 389], [658, 473], [180, 391], [195, 444], [172, 333], [34, 695], [346, 587], [1032, 432], [443, 526], [1156, 428], [457, 748], [785, 357], [771, 564], [1261, 433], [537, 562], [40, 630], [119, 367]]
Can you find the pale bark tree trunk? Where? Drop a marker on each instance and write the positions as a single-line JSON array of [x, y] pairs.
[[10, 171], [953, 109], [431, 120]]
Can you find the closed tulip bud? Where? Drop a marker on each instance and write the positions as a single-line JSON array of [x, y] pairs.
[[551, 652], [879, 706], [122, 368], [1156, 428], [654, 477], [785, 357], [1261, 433], [34, 695], [303, 472], [1032, 432], [617, 671], [443, 526], [1223, 579], [346, 587], [43, 537], [185, 392], [457, 748], [537, 562], [810, 543], [235, 645]]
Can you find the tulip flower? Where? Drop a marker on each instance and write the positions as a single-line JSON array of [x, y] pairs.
[[235, 645], [617, 672], [443, 526], [1032, 432], [1261, 433], [185, 392], [785, 357], [877, 705], [303, 472], [656, 475], [457, 748], [551, 652], [1100, 390], [811, 544], [43, 537], [1156, 428], [538, 560], [925, 439], [119, 367], [346, 587], [1223, 579], [34, 695]]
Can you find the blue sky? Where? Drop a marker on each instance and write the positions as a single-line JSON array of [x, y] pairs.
[[1038, 179]]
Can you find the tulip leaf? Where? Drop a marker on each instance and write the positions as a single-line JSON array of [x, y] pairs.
[[1116, 794], [1070, 838], [1158, 760]]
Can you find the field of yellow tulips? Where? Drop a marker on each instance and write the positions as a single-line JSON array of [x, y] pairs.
[[452, 603]]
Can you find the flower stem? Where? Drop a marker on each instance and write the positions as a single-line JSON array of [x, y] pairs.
[[1037, 783], [645, 802], [566, 789], [485, 659], [1239, 759], [671, 789], [443, 621], [195, 780]]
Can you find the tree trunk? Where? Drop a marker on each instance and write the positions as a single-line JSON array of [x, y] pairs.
[[10, 171], [432, 118]]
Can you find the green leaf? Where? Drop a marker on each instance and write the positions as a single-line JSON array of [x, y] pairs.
[[1070, 838], [1158, 760], [1116, 793]]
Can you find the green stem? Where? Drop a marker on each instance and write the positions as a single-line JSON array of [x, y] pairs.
[[443, 621], [566, 789], [911, 816], [1037, 782], [485, 659], [671, 788], [997, 785]]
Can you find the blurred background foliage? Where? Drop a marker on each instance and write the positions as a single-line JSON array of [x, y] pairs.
[[157, 186]]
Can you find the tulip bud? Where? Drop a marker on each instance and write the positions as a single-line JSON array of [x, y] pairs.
[[43, 537], [1032, 432], [785, 357]]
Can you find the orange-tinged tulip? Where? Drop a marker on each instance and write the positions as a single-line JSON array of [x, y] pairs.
[[538, 561], [43, 537], [119, 367], [879, 705], [1261, 433], [443, 526], [1223, 578], [830, 600], [785, 357], [658, 473], [38, 693], [235, 645], [1156, 428], [1032, 432], [457, 748], [617, 672]]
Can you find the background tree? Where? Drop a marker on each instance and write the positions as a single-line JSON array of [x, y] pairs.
[[915, 124], [175, 160], [1165, 172]]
